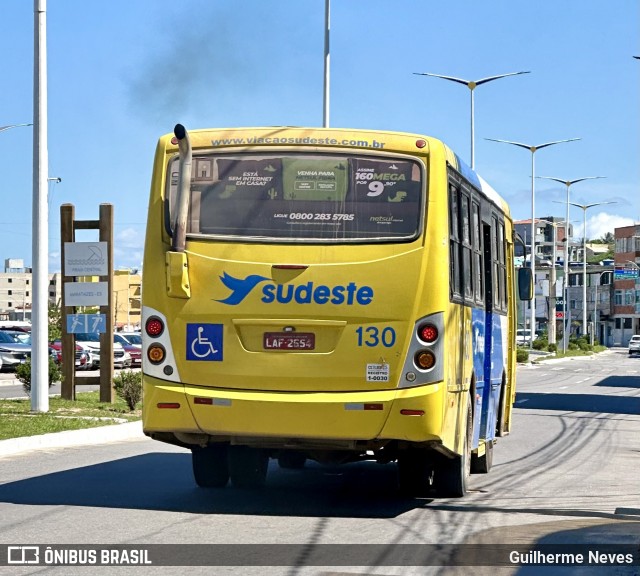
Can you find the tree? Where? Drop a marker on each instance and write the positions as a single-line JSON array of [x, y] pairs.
[[55, 322], [608, 238]]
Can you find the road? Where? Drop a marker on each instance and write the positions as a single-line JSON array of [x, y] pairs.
[[567, 474]]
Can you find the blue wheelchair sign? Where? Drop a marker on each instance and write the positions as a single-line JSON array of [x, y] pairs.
[[204, 342]]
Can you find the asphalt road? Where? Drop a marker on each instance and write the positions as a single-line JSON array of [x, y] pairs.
[[567, 474]]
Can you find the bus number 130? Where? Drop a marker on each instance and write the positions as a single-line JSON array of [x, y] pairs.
[[372, 336]]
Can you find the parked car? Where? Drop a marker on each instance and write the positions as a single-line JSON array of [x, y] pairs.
[[13, 352], [82, 361], [134, 338], [634, 345], [134, 350], [90, 342]]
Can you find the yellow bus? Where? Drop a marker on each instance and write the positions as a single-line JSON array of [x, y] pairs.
[[328, 295]]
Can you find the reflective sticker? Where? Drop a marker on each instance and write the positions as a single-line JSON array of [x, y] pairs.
[[377, 372], [204, 342]]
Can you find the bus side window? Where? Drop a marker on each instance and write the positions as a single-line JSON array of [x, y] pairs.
[[454, 243], [478, 268], [465, 221]]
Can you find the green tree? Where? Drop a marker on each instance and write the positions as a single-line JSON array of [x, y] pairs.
[[55, 322]]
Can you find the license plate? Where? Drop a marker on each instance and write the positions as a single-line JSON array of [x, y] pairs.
[[289, 341]]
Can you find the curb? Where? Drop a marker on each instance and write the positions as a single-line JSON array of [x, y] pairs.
[[70, 438]]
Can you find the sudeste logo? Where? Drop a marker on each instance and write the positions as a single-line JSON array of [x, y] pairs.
[[307, 293]]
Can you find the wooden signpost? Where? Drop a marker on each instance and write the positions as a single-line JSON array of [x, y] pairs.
[[76, 260]]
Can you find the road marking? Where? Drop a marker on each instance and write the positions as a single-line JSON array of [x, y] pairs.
[[581, 381]]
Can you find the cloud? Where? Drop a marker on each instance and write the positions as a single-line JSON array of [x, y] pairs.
[[599, 224], [128, 245]]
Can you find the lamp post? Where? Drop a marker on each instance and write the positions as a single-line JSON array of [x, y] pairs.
[[568, 184], [327, 63], [471, 84], [585, 207], [3, 128], [533, 150]]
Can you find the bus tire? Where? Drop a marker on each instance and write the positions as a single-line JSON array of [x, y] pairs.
[[248, 466], [415, 472], [210, 466], [452, 476], [291, 460], [500, 420], [482, 464]]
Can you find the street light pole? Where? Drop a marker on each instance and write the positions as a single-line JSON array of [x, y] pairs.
[[3, 128], [565, 280], [327, 63], [40, 225], [471, 84], [533, 150], [585, 207]]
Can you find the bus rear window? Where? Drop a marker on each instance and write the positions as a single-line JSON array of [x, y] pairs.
[[302, 197]]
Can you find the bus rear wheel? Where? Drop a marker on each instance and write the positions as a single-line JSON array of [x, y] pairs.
[[482, 464], [248, 466], [210, 465], [452, 475]]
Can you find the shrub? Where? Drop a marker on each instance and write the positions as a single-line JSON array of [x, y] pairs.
[[128, 385], [539, 344], [522, 355], [553, 348], [23, 373]]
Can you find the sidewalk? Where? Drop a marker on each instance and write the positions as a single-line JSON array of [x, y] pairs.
[[70, 438]]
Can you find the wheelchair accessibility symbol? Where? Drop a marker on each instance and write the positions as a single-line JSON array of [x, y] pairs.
[[204, 342]]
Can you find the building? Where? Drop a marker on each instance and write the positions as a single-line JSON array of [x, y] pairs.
[[127, 302], [549, 231], [626, 306], [16, 290]]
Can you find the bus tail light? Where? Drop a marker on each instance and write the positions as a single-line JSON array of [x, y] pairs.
[[428, 333], [156, 353], [154, 326]]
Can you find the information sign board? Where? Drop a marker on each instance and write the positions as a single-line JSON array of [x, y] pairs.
[[86, 294], [82, 323], [85, 259]]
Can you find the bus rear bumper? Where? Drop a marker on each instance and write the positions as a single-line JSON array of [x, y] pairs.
[[197, 415]]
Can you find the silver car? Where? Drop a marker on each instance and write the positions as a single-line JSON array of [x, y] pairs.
[[13, 352], [634, 345]]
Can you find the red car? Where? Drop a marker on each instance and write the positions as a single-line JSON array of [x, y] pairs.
[[82, 358], [135, 351]]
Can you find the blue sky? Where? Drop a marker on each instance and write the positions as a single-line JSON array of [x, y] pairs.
[[122, 73]]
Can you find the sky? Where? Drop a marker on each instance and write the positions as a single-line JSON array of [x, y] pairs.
[[121, 73]]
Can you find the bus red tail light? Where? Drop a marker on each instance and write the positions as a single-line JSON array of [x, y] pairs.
[[154, 326], [425, 360], [428, 333]]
